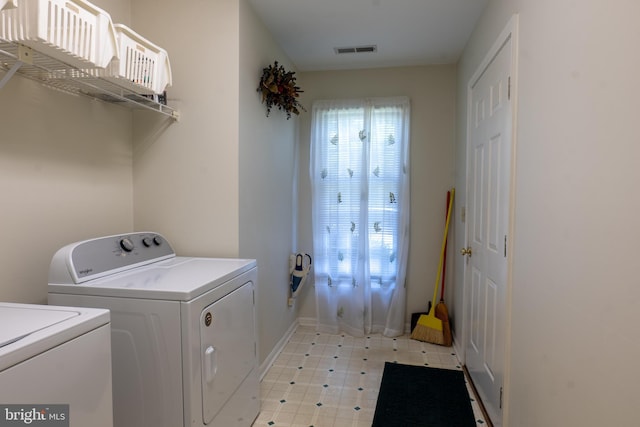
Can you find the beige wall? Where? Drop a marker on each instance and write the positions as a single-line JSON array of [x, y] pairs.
[[267, 160], [432, 93], [119, 10], [186, 173], [575, 294], [65, 175]]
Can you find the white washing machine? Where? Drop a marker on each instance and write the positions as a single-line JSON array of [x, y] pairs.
[[183, 328], [55, 366]]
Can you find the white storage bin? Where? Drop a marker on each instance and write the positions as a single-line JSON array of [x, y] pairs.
[[72, 31], [141, 65]]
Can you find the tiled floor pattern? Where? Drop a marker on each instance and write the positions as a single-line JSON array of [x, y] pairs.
[[324, 380]]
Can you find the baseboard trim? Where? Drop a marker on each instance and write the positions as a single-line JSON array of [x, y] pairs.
[[477, 396], [277, 349], [457, 348]]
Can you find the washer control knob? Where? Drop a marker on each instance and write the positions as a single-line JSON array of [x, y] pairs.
[[157, 240], [126, 244], [146, 242]]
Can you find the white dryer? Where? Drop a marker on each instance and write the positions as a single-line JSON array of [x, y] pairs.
[[183, 328], [55, 366]]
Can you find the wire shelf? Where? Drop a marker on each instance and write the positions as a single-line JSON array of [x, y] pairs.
[[55, 74]]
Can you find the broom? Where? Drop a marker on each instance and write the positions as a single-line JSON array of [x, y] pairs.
[[429, 327], [442, 312]]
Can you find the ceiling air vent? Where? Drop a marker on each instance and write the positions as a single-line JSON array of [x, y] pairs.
[[355, 49]]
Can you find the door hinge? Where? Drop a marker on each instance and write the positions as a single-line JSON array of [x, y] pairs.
[[509, 88], [505, 245], [500, 397]]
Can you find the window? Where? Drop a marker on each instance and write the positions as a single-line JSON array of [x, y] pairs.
[[360, 183]]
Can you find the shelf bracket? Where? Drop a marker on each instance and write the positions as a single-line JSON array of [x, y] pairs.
[[8, 4], [25, 56], [10, 73]]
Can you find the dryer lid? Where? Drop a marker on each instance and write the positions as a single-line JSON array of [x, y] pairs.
[[174, 279]]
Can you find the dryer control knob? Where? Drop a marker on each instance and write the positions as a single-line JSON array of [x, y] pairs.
[[157, 240], [146, 242], [126, 244]]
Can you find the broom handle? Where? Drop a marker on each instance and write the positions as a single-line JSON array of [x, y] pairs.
[[444, 260], [444, 241]]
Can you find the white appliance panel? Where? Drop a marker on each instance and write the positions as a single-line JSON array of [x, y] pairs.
[[77, 373], [146, 349], [227, 348], [242, 409], [67, 362]]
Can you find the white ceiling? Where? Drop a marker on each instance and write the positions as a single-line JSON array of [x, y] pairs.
[[406, 32]]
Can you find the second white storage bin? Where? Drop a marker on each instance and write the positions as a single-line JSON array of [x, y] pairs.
[[141, 65]]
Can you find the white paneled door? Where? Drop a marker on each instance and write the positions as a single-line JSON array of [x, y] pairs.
[[489, 155]]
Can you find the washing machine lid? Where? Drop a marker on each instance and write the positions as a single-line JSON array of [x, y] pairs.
[[30, 329], [23, 321], [175, 279]]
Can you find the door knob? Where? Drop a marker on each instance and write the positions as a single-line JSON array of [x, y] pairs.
[[465, 251]]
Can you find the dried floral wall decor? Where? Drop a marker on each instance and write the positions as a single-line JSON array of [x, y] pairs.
[[278, 88]]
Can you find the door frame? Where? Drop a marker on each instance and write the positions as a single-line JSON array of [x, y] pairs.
[[510, 32]]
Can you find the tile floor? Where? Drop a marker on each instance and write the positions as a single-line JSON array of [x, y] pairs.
[[324, 380]]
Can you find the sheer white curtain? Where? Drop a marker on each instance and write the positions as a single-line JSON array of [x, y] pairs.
[[359, 170]]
